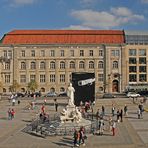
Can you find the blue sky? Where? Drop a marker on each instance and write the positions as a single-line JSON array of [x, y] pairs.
[[73, 14]]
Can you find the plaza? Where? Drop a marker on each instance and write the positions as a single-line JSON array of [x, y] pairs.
[[131, 133]]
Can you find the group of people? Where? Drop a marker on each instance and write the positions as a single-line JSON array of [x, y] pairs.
[[79, 137], [11, 113]]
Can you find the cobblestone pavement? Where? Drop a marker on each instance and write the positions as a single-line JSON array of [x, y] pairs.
[[131, 133]]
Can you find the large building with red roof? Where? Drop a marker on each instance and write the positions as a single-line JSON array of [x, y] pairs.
[[50, 56]]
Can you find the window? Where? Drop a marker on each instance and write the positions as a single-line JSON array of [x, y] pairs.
[[62, 77], [72, 64], [23, 65], [51, 53], [115, 53], [42, 78], [81, 65], [91, 64], [52, 78], [33, 65], [5, 53], [142, 68], [9, 53], [132, 52], [132, 69], [23, 53], [32, 78], [91, 53], [42, 65], [100, 53], [42, 53], [142, 52], [52, 65], [62, 65], [81, 53], [7, 78], [7, 66], [100, 77], [132, 78], [22, 78], [72, 53], [132, 60], [62, 53], [142, 60], [142, 77], [115, 64], [100, 64], [32, 53]]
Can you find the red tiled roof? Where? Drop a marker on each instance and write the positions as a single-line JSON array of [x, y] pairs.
[[64, 37]]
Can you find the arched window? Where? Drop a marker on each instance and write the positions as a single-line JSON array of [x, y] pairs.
[[115, 64], [42, 65], [81, 65], [42, 89], [91, 64], [23, 65], [62, 65], [52, 65], [72, 64], [52, 89], [100, 64], [62, 89], [33, 65]]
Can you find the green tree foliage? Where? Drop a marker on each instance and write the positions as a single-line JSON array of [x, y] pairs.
[[15, 86], [32, 85]]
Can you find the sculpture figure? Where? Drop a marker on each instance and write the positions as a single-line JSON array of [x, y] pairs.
[[70, 93]]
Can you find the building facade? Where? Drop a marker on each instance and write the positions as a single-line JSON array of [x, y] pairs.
[[50, 56]]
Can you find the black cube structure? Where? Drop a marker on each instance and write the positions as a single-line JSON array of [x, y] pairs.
[[84, 85]]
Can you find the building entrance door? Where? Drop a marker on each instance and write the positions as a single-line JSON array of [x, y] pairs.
[[115, 86]]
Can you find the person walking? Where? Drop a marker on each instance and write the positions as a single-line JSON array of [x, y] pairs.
[[114, 128], [113, 110], [121, 115], [9, 114], [56, 104], [118, 115], [125, 110], [12, 113], [76, 138]]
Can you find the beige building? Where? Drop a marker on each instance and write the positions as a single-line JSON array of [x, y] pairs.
[[50, 56]]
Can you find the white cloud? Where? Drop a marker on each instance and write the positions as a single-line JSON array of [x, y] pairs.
[[78, 27], [144, 1], [21, 2], [103, 19]]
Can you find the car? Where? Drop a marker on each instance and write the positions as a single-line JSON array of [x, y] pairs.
[[62, 94], [108, 95], [19, 94], [51, 94], [133, 94]]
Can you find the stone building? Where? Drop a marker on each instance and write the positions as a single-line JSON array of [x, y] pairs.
[[136, 60], [50, 56]]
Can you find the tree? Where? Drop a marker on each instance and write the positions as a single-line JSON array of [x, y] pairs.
[[15, 86], [32, 85]]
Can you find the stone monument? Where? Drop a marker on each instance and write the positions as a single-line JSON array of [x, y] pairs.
[[71, 113]]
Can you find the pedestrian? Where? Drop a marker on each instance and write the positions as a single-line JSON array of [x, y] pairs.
[[97, 114], [139, 113], [121, 115], [103, 110], [76, 138], [13, 102], [125, 110], [9, 114], [114, 128], [101, 126], [118, 115], [56, 104], [113, 110], [110, 121], [18, 102], [43, 109], [12, 113], [82, 136]]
